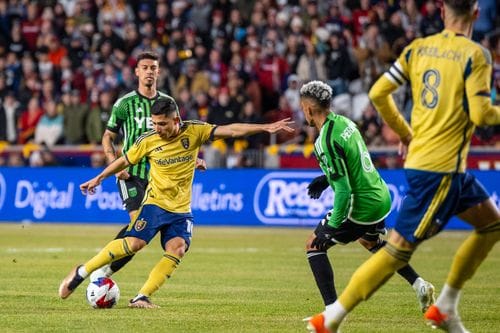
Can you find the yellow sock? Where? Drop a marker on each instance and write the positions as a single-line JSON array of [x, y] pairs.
[[471, 254], [162, 271], [372, 274], [115, 250]]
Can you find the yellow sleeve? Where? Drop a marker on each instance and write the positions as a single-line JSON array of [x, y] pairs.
[[206, 131], [477, 86], [137, 151], [380, 95]]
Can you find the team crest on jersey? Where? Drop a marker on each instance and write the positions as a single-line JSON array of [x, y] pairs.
[[140, 225], [185, 143]]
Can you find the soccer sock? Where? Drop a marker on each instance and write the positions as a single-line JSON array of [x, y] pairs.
[[372, 274], [323, 274], [116, 265], [162, 271], [448, 299], [407, 272], [471, 254], [115, 249]]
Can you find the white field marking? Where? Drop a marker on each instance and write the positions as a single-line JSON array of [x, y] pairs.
[[48, 250], [193, 249]]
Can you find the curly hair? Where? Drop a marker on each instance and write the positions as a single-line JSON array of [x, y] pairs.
[[318, 91]]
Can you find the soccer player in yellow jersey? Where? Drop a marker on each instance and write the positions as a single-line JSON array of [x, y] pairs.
[[450, 83], [171, 149]]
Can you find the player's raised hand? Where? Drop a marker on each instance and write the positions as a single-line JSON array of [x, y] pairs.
[[283, 124], [89, 186]]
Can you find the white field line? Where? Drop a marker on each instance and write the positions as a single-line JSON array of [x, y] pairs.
[[194, 249]]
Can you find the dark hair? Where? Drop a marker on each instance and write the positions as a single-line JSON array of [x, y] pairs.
[[166, 106], [461, 7], [147, 55]]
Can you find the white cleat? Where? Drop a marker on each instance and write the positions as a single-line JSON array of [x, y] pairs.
[[425, 295]]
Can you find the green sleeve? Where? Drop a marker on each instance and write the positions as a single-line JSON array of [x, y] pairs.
[[117, 117], [342, 202]]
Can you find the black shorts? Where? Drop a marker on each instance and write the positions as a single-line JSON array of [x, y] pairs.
[[132, 192], [349, 231]]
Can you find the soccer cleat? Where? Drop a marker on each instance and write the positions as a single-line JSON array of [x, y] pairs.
[[316, 324], [69, 284], [449, 323], [425, 295], [142, 302]]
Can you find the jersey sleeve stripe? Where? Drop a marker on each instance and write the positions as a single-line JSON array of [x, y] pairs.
[[212, 134], [399, 69], [329, 147], [391, 78]]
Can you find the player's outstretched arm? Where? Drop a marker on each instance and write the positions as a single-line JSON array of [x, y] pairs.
[[242, 129], [117, 165]]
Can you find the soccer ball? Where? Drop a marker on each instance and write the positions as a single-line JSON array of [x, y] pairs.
[[103, 293]]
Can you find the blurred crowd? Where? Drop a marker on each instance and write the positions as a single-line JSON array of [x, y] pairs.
[[64, 63]]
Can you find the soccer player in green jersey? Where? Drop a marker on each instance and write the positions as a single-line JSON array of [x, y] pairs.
[[362, 199], [171, 150], [131, 114], [450, 79]]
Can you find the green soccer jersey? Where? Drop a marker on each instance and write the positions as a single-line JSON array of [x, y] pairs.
[[361, 195], [132, 113]]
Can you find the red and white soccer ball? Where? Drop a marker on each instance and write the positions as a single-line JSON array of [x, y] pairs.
[[103, 293]]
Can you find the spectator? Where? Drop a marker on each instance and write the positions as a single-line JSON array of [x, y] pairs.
[[272, 70], [15, 160], [74, 114], [293, 98], [28, 121], [311, 65], [488, 11], [97, 160], [195, 80], [31, 26], [49, 130], [98, 117], [42, 157], [10, 112], [339, 65], [431, 22]]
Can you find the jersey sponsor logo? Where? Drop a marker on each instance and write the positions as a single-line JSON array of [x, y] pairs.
[[139, 225], [185, 143], [281, 198], [141, 121], [3, 190], [173, 160]]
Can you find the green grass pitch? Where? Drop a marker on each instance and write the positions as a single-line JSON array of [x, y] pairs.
[[232, 280]]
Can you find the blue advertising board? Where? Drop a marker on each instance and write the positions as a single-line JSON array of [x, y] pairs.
[[241, 197]]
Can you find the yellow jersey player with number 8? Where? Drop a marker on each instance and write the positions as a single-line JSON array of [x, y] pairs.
[[450, 79]]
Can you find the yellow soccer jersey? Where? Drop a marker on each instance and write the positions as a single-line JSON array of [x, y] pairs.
[[450, 84], [172, 164]]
